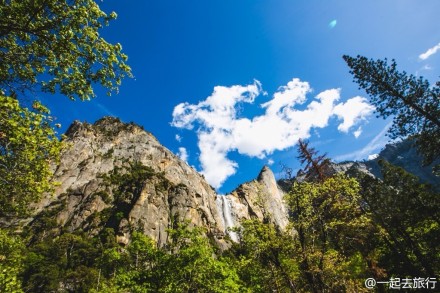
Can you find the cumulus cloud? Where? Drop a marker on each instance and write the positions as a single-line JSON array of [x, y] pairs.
[[183, 154], [429, 52], [352, 111], [220, 130], [178, 138]]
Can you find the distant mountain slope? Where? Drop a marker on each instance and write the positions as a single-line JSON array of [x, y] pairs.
[[404, 154]]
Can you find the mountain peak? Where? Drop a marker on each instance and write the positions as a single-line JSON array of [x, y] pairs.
[[266, 175], [262, 198], [108, 127]]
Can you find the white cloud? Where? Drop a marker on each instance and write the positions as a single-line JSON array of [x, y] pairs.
[[352, 111], [183, 154], [358, 132], [373, 146], [429, 52], [220, 130], [178, 138], [270, 162]]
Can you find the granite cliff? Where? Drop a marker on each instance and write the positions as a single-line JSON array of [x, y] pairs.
[[117, 175], [261, 198]]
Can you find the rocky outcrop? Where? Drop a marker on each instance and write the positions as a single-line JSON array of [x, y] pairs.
[[117, 175], [261, 198]]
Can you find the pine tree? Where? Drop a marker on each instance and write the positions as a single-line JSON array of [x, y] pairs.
[[411, 101], [315, 165], [407, 213]]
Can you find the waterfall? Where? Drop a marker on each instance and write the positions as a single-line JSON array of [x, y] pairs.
[[225, 207]]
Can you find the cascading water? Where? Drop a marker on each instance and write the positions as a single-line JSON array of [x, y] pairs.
[[225, 207]]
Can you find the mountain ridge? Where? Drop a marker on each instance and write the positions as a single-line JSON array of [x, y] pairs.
[[118, 175]]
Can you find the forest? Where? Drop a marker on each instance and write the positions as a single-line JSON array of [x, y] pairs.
[[343, 228]]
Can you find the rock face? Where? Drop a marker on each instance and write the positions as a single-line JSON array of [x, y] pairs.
[[119, 176], [261, 198], [404, 154]]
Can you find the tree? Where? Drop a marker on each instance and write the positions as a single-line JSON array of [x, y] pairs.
[[332, 233], [413, 103], [12, 252], [408, 214], [28, 145], [65, 263], [265, 258], [186, 264], [55, 46], [315, 165], [190, 264]]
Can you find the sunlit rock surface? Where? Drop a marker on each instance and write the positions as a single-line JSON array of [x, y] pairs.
[[261, 198], [173, 192]]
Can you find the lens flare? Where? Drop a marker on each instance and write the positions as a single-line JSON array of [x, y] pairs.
[[332, 23]]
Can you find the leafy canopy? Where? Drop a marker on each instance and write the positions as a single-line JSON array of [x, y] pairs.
[[55, 46], [12, 250], [28, 144]]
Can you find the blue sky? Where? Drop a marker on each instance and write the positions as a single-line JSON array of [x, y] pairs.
[[231, 85]]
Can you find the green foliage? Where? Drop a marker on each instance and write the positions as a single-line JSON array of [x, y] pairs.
[[413, 102], [11, 262], [264, 258], [77, 263], [408, 214], [125, 184], [109, 154], [187, 264], [66, 261], [196, 264], [331, 233], [129, 179], [330, 250], [28, 145], [55, 46]]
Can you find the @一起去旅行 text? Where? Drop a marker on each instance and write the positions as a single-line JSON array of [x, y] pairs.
[[403, 283]]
